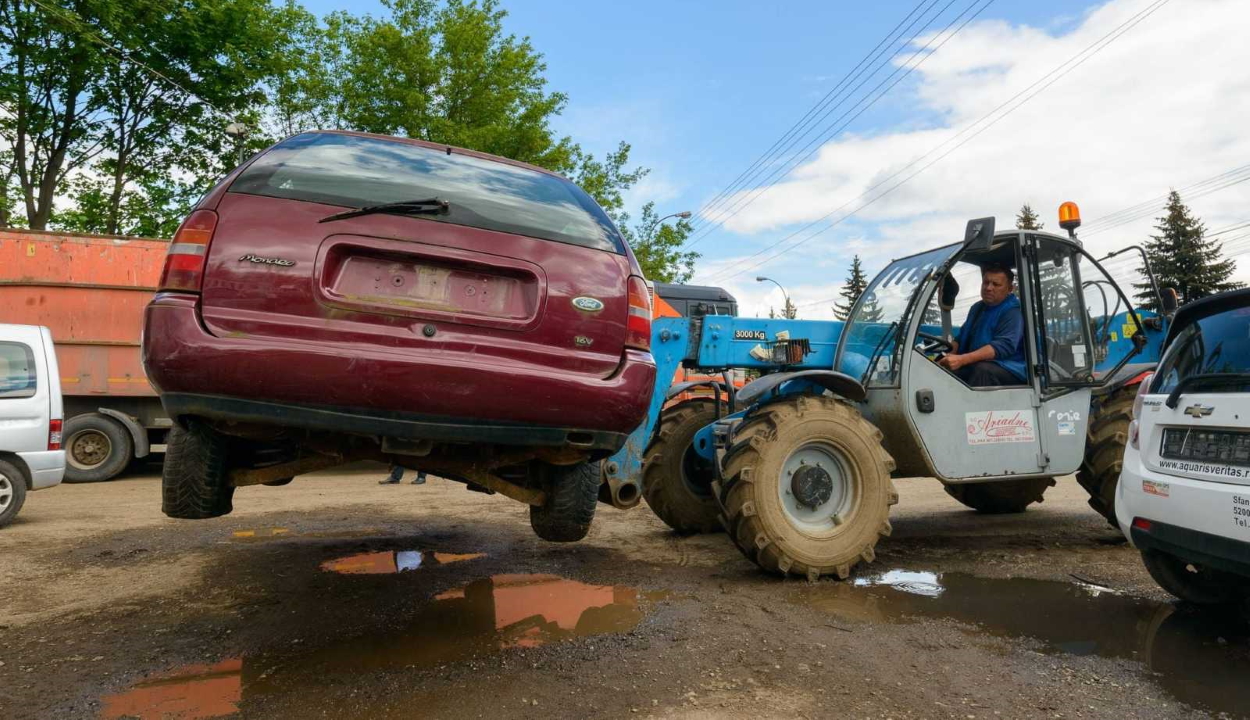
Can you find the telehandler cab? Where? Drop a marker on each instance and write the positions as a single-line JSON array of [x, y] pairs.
[[797, 466]]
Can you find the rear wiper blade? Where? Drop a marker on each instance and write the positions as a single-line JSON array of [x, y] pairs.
[[1205, 379], [429, 206]]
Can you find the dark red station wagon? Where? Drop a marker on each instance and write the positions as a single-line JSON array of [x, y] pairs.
[[346, 296]]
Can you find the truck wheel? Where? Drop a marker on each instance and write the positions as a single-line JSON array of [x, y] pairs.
[[676, 481], [1001, 498], [1192, 583], [12, 492], [194, 483], [572, 493], [1105, 439], [808, 488], [97, 448]]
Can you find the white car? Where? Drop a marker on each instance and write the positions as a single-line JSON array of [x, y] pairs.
[[31, 416], [1183, 498]]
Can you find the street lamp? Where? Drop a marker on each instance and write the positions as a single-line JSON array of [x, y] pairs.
[[239, 131], [785, 310], [684, 215]]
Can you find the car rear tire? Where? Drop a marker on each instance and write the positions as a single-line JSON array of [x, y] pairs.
[[97, 448], [677, 483], [195, 483], [1105, 439], [572, 494], [1001, 498], [12, 492], [1191, 582]]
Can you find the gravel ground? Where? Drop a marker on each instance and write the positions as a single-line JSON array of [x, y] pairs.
[[294, 606]]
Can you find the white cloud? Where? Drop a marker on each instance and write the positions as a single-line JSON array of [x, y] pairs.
[[1164, 106]]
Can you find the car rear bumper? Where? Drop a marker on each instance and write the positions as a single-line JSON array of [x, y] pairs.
[[373, 390], [1199, 521], [47, 467]]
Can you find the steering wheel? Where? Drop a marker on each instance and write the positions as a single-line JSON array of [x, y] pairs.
[[935, 344]]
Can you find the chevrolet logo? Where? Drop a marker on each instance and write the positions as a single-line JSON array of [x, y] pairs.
[[1199, 411]]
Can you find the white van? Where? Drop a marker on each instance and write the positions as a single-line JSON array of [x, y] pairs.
[[31, 414], [1184, 493]]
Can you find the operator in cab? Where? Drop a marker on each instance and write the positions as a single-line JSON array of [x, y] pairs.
[[994, 334]]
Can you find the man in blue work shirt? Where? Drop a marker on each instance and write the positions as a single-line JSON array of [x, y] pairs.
[[994, 332]]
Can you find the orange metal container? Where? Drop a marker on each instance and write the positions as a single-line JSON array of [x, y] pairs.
[[90, 291]]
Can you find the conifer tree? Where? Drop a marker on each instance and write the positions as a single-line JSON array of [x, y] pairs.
[[851, 290], [1027, 219], [1183, 258]]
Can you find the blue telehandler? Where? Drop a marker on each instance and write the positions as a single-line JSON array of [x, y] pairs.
[[797, 465]]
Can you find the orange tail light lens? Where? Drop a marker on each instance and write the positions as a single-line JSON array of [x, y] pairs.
[[638, 325], [184, 266]]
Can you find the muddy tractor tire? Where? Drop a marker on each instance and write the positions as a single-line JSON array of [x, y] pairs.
[[807, 489], [676, 481], [12, 492], [1105, 439], [1001, 498], [194, 482], [572, 494], [97, 448]]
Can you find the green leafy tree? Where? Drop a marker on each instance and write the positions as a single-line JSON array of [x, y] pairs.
[[658, 246], [1182, 257], [1026, 219], [854, 286], [789, 312]]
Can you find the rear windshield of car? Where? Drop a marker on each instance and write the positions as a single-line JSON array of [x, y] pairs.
[[17, 371], [1217, 343], [358, 172]]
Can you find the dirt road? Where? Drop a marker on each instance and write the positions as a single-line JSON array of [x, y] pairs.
[[335, 596]]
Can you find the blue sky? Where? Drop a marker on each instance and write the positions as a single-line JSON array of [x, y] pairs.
[[701, 89]]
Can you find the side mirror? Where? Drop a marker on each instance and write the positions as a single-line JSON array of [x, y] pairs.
[[980, 233], [950, 291], [1170, 300]]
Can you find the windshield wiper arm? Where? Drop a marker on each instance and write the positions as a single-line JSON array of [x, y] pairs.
[[429, 206], [1205, 379]]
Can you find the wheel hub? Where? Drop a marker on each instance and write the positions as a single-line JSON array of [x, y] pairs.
[[812, 486]]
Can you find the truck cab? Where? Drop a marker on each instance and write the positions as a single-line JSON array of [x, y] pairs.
[[31, 414]]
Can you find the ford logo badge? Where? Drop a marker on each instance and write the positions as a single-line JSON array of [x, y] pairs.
[[588, 304]]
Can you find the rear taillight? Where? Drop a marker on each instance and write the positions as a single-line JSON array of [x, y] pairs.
[[184, 266], [54, 434], [638, 325], [1134, 427], [1143, 524]]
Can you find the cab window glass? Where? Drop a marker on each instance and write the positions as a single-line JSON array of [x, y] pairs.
[[1065, 329], [17, 371]]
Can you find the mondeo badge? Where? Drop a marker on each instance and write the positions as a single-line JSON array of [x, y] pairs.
[[280, 262], [588, 304], [1199, 411]]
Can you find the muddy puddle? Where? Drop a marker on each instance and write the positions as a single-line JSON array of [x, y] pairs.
[[481, 618], [1201, 658], [389, 562]]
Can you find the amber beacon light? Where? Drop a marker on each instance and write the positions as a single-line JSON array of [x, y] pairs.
[[1069, 216]]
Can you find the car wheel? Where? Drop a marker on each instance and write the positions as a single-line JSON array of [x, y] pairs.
[[12, 492], [572, 494], [97, 448], [195, 483], [1192, 582]]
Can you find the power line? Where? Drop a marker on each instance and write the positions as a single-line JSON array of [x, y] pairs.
[[1149, 208], [1041, 84], [919, 56], [851, 75], [81, 25]]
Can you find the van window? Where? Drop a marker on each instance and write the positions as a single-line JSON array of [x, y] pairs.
[[358, 172], [17, 371]]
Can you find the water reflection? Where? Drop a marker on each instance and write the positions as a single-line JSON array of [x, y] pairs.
[[1201, 658], [389, 562], [480, 618]]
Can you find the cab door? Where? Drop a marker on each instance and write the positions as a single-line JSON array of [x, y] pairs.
[[968, 432]]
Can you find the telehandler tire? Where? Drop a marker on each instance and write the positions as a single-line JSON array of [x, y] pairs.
[[676, 481], [1105, 439], [1003, 497], [807, 489]]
